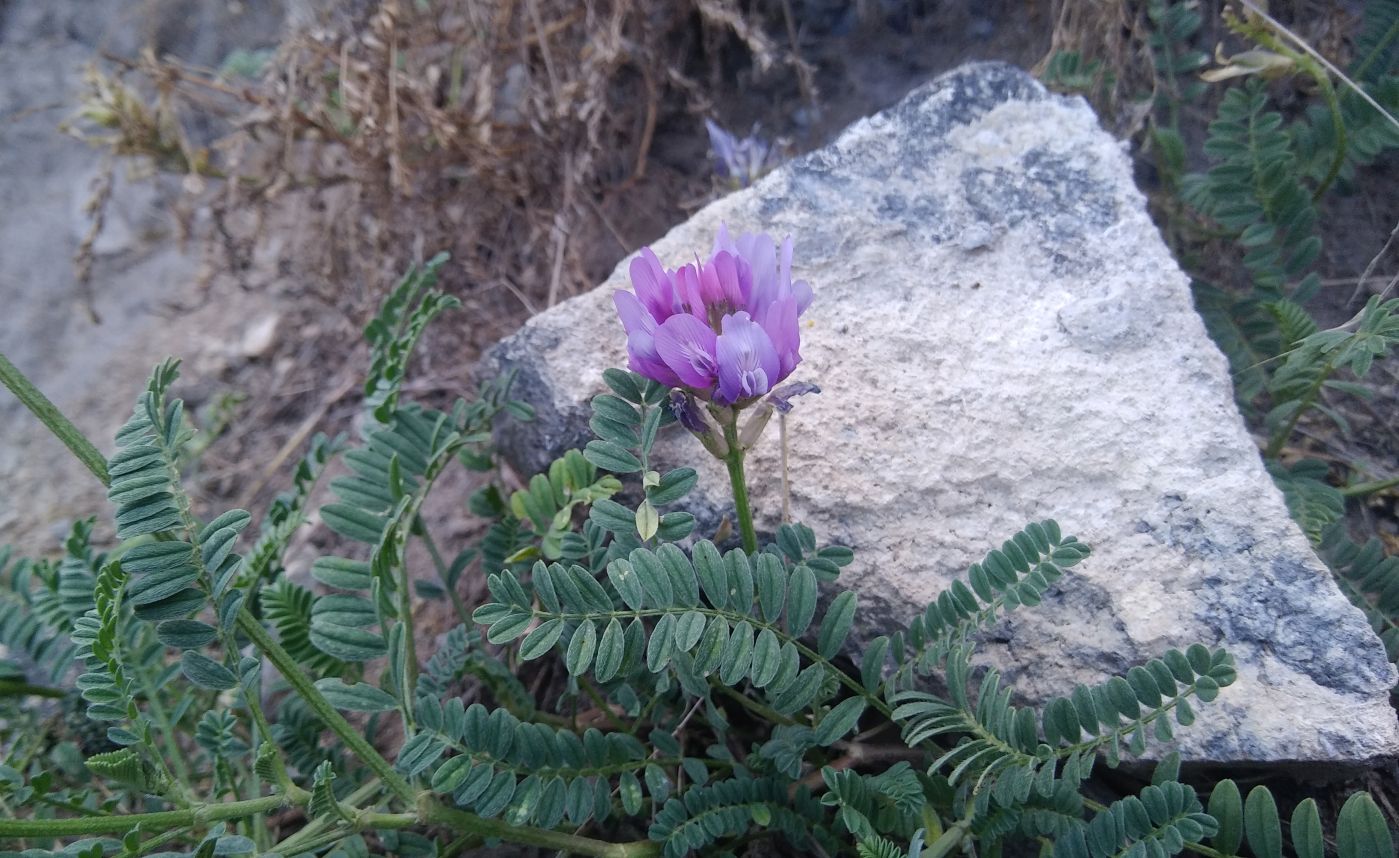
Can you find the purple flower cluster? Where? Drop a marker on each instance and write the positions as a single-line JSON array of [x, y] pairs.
[[742, 161], [725, 329]]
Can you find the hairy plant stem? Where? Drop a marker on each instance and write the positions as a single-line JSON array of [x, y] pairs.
[[443, 572], [431, 811], [601, 705], [197, 815], [428, 811], [763, 711], [1280, 437], [298, 841], [48, 414], [12, 688], [734, 461], [1356, 490], [1333, 104], [329, 715]]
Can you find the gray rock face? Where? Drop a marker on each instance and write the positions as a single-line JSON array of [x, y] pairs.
[[1001, 336]]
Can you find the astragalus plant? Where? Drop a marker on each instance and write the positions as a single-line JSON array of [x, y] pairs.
[[638, 689]]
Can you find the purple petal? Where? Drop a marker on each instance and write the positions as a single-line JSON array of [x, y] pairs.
[[724, 146], [734, 278], [641, 342], [634, 316], [653, 285], [722, 241], [687, 346], [748, 363], [780, 324], [802, 291], [761, 255], [711, 289], [650, 366], [782, 396], [687, 289], [687, 412]]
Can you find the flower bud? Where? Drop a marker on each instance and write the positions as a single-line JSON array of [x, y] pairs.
[[753, 428], [689, 414]]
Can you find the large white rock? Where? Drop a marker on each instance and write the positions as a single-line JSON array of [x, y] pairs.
[[1001, 336]]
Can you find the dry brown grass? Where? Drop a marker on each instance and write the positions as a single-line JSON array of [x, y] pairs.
[[503, 132], [515, 134]]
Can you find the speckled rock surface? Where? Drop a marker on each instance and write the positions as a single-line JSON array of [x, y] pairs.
[[1001, 336]]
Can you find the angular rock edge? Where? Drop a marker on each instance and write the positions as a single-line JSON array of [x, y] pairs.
[[977, 184]]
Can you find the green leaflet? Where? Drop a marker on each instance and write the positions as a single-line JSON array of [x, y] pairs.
[[205, 672], [358, 697]]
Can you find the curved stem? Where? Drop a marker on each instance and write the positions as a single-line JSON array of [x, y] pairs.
[[329, 715], [198, 815], [1355, 490], [431, 811], [13, 688], [744, 513], [1333, 104], [1280, 437], [48, 414], [443, 572]]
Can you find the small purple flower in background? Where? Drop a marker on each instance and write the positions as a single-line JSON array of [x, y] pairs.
[[726, 330], [741, 161]]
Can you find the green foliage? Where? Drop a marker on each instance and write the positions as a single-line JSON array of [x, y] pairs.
[[1015, 574], [1068, 71], [1014, 750], [190, 566], [620, 684], [105, 686], [1369, 578], [394, 333], [731, 808], [1157, 823], [1310, 365], [1314, 503], [1361, 829], [1173, 27], [547, 504], [873, 807], [626, 422], [1253, 192], [462, 655], [527, 773], [40, 601]]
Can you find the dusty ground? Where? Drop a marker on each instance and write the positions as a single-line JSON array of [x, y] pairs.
[[142, 269]]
